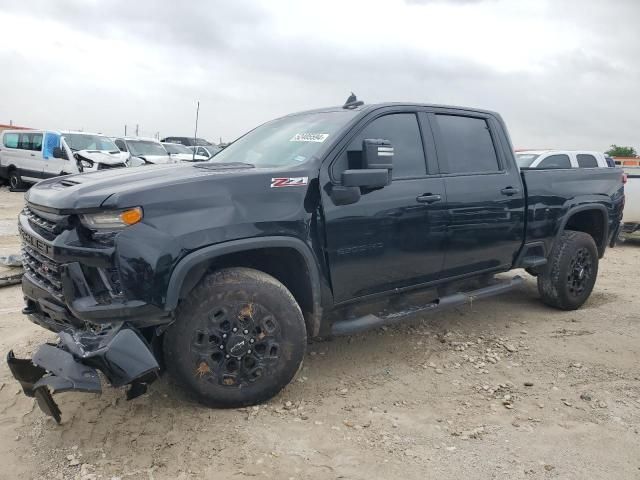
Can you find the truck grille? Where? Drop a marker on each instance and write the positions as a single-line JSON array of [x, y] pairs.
[[43, 271], [48, 225]]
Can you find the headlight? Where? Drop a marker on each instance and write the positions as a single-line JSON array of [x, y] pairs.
[[114, 219], [86, 163]]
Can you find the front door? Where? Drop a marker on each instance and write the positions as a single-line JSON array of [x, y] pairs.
[[485, 197], [392, 237]]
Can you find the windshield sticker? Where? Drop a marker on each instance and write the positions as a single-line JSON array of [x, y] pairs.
[[289, 182], [309, 137]]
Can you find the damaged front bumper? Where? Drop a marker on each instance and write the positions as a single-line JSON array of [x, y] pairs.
[[120, 353]]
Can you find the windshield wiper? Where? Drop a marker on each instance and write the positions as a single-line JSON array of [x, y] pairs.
[[225, 165]]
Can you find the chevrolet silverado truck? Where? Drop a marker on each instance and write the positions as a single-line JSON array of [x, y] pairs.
[[321, 223]]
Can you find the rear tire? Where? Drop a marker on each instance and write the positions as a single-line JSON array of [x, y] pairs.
[[15, 180], [238, 339], [567, 280]]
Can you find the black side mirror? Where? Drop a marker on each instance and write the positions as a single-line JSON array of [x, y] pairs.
[[377, 153], [59, 153], [369, 178]]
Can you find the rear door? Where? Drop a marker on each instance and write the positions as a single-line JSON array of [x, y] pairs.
[[391, 237], [485, 198], [30, 153]]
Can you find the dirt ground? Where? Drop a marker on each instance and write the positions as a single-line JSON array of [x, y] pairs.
[[505, 388]]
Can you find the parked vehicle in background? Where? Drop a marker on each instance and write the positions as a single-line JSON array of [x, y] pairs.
[[631, 218], [188, 141], [182, 153], [149, 150], [327, 222], [28, 156], [560, 159], [207, 151]]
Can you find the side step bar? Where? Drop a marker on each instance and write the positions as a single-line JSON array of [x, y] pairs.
[[368, 322]]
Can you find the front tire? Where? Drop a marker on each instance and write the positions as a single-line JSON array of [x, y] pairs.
[[567, 280], [238, 339], [15, 180]]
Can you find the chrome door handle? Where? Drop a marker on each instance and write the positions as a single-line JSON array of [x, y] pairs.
[[428, 198], [509, 191]]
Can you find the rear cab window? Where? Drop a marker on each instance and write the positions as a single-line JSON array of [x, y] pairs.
[[468, 144], [586, 160]]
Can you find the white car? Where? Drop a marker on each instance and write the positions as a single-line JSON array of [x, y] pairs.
[[560, 159], [631, 213], [177, 151], [141, 151], [28, 156], [207, 151]]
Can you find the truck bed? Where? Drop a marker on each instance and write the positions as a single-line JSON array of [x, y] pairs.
[[552, 193]]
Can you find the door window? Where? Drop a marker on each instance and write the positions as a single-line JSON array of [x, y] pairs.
[[586, 161], [10, 140], [556, 161], [402, 130], [468, 146], [30, 141]]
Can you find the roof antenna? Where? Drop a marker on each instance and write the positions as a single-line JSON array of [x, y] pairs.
[[352, 102]]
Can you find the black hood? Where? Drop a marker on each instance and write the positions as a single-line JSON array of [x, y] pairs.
[[91, 190]]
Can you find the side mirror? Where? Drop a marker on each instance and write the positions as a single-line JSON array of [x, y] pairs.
[[376, 154], [367, 178], [136, 161], [59, 153]]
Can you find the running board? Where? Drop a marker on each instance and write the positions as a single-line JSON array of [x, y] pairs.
[[370, 321]]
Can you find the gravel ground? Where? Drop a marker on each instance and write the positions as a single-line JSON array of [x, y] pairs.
[[506, 388]]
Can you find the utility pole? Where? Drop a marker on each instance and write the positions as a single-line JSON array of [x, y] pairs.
[[195, 134], [125, 129], [136, 129]]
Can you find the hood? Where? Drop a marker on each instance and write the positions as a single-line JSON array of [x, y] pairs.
[[127, 187], [100, 156]]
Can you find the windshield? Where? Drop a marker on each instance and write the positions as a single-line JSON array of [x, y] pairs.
[[142, 147], [286, 141], [85, 141], [177, 148], [525, 160]]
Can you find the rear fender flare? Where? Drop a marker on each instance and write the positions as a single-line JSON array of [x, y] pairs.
[[581, 208]]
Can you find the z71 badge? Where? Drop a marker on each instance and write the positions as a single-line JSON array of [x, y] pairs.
[[289, 182]]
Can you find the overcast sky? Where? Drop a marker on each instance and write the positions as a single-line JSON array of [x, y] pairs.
[[563, 73]]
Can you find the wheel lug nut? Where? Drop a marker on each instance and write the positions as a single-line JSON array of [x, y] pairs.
[[221, 347], [246, 331], [252, 340], [235, 329], [224, 335], [227, 356], [248, 352]]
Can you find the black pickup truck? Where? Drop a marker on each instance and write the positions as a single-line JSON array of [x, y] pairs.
[[326, 222]]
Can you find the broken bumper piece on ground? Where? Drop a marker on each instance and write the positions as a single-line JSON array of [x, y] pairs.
[[72, 365]]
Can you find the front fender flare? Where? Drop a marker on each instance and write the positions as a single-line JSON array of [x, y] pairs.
[[203, 255]]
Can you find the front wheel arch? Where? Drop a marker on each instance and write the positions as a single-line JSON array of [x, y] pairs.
[[253, 253]]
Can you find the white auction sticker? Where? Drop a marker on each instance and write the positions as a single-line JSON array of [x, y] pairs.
[[309, 137]]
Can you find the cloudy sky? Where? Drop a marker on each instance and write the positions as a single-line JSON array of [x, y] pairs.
[[563, 73]]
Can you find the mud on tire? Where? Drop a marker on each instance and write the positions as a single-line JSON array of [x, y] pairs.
[[238, 339], [568, 279]]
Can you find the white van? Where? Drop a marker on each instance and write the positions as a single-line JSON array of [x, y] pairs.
[[28, 156], [560, 159]]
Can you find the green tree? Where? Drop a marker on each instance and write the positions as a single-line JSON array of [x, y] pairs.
[[616, 151]]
